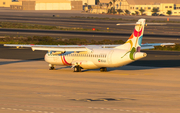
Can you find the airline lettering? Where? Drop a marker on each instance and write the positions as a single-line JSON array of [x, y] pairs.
[[101, 60]]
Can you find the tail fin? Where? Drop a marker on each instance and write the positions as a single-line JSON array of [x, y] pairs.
[[135, 40]]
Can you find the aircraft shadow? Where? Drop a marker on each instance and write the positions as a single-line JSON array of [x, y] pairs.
[[28, 60], [137, 65], [146, 64], [156, 63]]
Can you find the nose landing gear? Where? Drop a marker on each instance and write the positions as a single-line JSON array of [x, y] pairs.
[[51, 67]]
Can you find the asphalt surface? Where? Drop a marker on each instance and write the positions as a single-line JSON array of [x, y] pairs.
[[148, 38], [29, 87], [101, 24]]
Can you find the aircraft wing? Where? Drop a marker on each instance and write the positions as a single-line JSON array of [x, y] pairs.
[[60, 47], [151, 45], [80, 47], [52, 47]]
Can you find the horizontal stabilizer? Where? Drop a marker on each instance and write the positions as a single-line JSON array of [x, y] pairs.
[[128, 24], [156, 24], [151, 45], [147, 47], [158, 44]]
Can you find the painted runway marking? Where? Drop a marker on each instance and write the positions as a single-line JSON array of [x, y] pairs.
[[126, 110], [25, 110], [101, 110]]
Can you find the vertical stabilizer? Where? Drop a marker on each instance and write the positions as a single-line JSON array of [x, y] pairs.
[[133, 44], [135, 40]]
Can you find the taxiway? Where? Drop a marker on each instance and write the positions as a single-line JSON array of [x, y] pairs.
[[28, 86]]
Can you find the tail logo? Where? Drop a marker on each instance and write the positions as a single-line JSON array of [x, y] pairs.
[[133, 47]]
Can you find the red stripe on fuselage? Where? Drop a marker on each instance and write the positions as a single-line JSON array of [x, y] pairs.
[[66, 61]]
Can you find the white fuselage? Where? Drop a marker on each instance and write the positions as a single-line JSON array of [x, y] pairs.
[[105, 57]]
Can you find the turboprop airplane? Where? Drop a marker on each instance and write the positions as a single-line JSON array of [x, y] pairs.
[[97, 56]]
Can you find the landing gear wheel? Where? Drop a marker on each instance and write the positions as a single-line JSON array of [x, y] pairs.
[[77, 69], [52, 68], [103, 69]]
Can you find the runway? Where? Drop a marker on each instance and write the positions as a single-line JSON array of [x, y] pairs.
[[28, 86], [89, 35], [167, 33]]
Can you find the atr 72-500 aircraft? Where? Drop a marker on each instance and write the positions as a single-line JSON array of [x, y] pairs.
[[96, 56]]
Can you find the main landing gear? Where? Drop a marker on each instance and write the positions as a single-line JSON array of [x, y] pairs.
[[77, 69], [51, 67], [103, 69]]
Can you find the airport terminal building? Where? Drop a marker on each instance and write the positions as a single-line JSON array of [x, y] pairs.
[[136, 5]]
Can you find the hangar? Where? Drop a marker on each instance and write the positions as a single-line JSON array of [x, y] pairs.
[[5, 3], [45, 4]]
